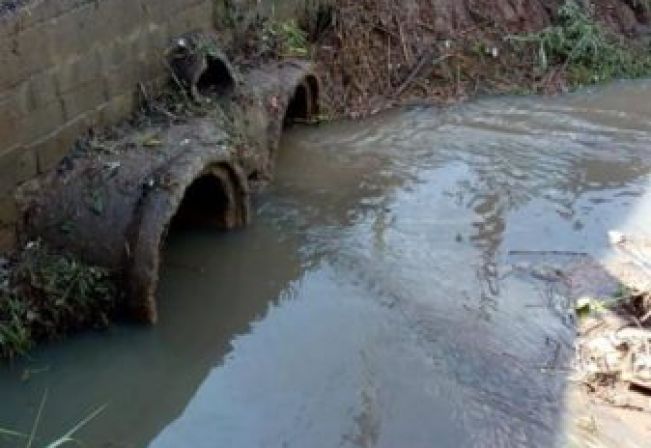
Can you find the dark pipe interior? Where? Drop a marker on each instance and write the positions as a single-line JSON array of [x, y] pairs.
[[205, 205], [304, 104], [216, 79], [298, 108], [313, 85]]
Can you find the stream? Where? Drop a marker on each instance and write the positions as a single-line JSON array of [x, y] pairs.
[[390, 291]]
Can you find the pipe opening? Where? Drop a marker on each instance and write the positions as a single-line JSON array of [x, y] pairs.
[[216, 199], [216, 79], [206, 204], [304, 105]]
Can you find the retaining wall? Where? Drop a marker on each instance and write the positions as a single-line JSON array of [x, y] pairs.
[[69, 65]]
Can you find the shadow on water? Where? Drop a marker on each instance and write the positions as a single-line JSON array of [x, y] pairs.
[[379, 298], [147, 375]]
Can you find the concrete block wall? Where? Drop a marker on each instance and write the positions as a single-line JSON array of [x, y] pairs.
[[69, 65]]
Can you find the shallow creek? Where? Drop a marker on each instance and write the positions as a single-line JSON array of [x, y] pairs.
[[390, 292]]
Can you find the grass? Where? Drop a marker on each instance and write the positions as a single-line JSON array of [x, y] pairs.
[[66, 439], [584, 50], [15, 334], [285, 38], [45, 295]]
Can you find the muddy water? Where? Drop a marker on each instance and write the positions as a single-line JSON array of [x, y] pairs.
[[393, 290]]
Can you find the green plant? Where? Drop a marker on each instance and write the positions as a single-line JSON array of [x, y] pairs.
[[286, 39], [15, 335], [47, 295], [67, 289], [583, 49]]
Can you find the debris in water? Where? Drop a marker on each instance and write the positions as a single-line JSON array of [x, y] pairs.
[[613, 349], [616, 238]]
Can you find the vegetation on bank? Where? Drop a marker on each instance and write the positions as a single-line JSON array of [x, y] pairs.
[[582, 50], [285, 39], [44, 295], [377, 54]]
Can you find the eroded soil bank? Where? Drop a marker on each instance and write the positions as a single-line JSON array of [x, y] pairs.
[[378, 53]]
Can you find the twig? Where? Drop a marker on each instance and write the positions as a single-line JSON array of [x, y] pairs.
[[389, 62], [646, 317], [427, 26], [144, 94], [387, 31], [414, 73], [646, 340], [176, 80], [404, 45], [594, 327], [166, 112]]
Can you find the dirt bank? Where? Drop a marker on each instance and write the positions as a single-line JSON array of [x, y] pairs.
[[380, 53]]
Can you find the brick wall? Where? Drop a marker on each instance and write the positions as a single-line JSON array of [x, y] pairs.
[[68, 65]]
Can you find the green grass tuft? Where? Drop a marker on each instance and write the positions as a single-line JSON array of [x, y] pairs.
[[46, 295], [286, 39]]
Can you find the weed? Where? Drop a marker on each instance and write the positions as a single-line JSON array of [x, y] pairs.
[[15, 335], [47, 295], [285, 39], [583, 49]]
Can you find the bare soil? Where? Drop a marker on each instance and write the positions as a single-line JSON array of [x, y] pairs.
[[378, 53]]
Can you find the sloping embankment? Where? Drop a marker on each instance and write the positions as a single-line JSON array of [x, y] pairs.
[[379, 53]]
